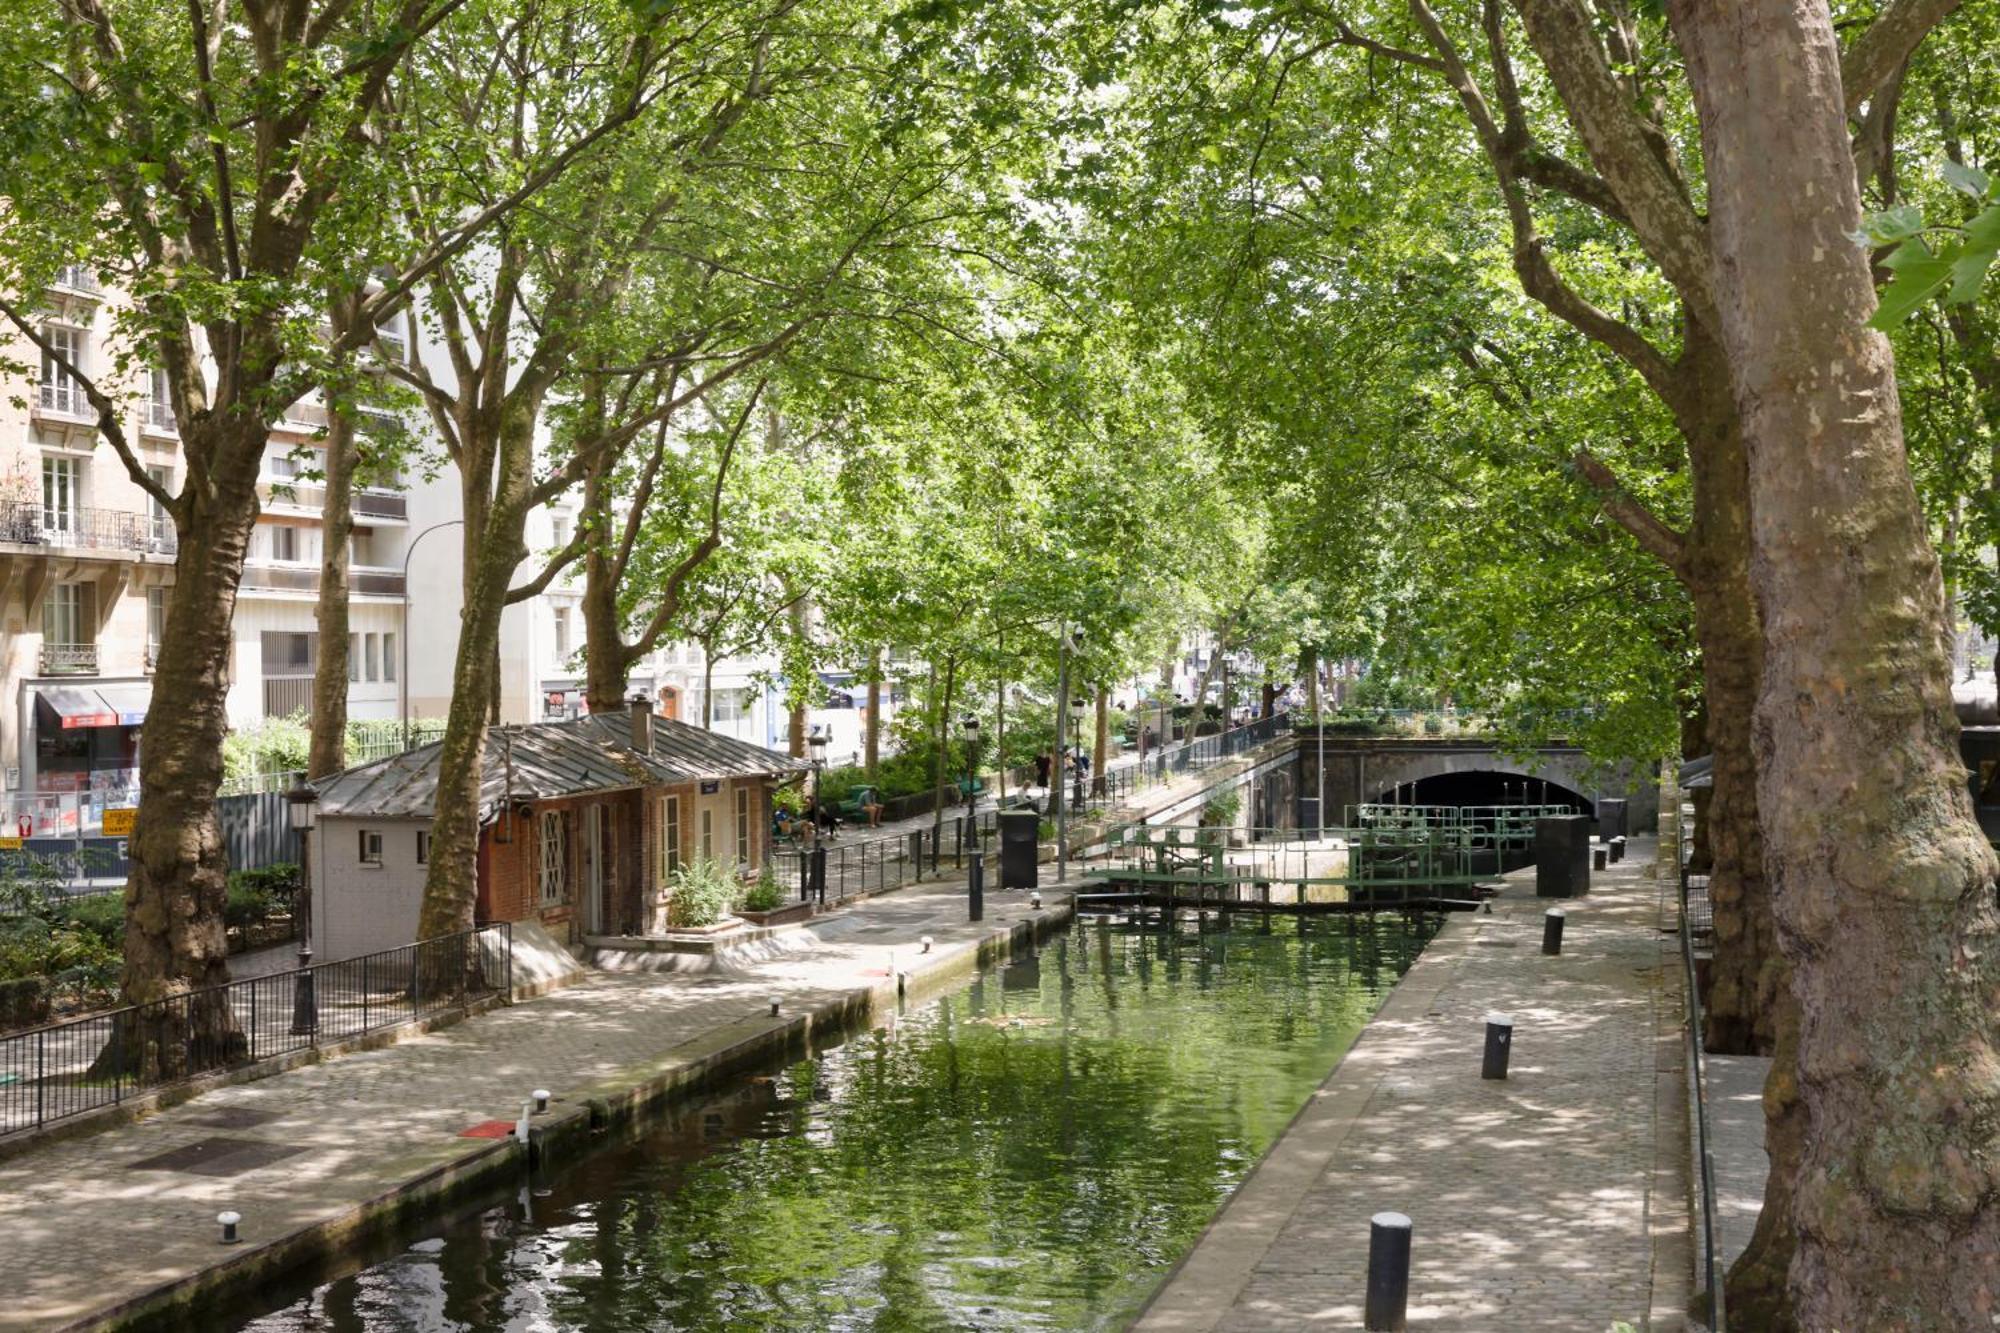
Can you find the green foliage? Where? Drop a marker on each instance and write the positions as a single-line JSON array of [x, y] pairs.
[[703, 891], [764, 895], [253, 896], [1221, 809], [1953, 260], [101, 914], [274, 745]]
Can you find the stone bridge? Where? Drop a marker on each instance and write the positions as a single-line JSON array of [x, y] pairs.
[[1438, 770]]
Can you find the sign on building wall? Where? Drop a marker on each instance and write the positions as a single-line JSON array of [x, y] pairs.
[[118, 821], [710, 786]]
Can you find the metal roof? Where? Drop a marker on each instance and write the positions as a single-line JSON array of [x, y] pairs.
[[547, 760]]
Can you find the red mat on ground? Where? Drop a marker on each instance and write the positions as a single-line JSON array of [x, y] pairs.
[[488, 1129]]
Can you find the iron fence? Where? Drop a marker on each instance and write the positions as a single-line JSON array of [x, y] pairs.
[[66, 1069], [1698, 1074]]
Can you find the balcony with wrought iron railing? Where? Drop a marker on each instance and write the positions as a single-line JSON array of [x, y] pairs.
[[76, 278], [62, 398], [26, 523], [159, 418], [69, 659], [381, 504]]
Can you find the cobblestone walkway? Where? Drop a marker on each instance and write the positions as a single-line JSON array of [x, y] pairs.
[[1555, 1200], [86, 1225]]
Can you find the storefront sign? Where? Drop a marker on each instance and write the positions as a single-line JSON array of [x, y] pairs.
[[711, 786], [118, 822], [10, 844]]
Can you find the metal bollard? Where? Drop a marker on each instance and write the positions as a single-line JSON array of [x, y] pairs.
[[1598, 857], [229, 1221], [975, 887], [1388, 1273], [1499, 1044], [916, 853], [1552, 931], [819, 873], [1618, 849]]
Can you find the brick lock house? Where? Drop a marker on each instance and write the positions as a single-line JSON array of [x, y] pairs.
[[581, 825]]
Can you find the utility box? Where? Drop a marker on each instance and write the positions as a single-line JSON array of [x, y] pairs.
[[1562, 856], [1611, 818], [1020, 841]]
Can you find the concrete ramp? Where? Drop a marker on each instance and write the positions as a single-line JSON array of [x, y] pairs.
[[540, 963], [629, 954]]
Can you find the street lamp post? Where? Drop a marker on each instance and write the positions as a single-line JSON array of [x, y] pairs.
[[1076, 717], [403, 684], [1067, 642], [969, 727], [302, 804]]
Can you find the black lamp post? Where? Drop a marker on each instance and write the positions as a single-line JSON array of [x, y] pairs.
[[302, 804], [1078, 714], [816, 749], [969, 727]]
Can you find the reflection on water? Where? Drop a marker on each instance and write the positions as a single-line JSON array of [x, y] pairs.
[[1032, 1152]]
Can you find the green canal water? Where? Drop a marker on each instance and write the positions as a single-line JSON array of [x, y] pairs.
[[1034, 1151]]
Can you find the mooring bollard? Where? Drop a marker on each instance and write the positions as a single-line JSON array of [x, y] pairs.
[[1618, 849], [228, 1223], [975, 887], [1499, 1043], [1552, 931], [1388, 1273], [819, 872], [1598, 856], [541, 1096]]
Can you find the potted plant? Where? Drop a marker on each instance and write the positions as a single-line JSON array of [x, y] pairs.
[[701, 896], [764, 903]]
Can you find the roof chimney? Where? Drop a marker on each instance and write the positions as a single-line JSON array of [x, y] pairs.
[[642, 724]]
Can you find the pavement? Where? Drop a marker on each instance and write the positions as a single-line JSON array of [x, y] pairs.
[[1553, 1200]]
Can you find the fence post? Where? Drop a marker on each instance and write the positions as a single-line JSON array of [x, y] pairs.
[[417, 979], [364, 992], [41, 1076], [916, 853]]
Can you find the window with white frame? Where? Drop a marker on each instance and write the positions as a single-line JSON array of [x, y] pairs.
[[65, 616], [371, 662], [160, 523], [370, 851], [156, 622], [670, 835], [60, 391], [561, 615], [731, 705], [354, 659], [284, 541], [708, 833], [742, 826], [160, 402], [62, 493], [554, 864], [423, 847], [389, 657]]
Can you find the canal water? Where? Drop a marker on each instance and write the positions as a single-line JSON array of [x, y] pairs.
[[1033, 1151]]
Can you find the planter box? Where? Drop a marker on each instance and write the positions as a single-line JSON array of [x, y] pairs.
[[777, 916]]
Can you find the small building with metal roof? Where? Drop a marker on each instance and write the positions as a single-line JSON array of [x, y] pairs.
[[580, 828]]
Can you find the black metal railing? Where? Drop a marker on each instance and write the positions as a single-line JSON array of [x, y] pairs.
[[32, 524], [67, 1069], [1718, 1319]]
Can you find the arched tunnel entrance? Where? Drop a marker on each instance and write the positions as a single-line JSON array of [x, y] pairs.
[[1489, 788], [1485, 787]]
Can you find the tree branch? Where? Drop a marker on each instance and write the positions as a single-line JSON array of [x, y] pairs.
[[1653, 536], [1877, 53]]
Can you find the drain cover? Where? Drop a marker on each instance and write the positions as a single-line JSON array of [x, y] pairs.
[[218, 1157]]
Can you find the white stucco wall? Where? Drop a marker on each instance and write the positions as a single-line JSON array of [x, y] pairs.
[[361, 909]]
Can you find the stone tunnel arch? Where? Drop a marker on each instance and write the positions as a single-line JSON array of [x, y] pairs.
[[1487, 786]]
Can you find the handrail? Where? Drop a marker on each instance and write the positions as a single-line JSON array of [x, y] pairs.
[[1719, 1319]]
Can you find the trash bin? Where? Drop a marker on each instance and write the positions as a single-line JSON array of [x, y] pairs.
[[1020, 839], [1562, 856], [1611, 818]]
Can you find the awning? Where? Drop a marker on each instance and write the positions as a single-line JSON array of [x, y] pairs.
[[77, 708], [129, 701]]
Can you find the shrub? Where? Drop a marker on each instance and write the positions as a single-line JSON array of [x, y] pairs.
[[101, 914], [1223, 809], [764, 895], [702, 893], [1433, 725]]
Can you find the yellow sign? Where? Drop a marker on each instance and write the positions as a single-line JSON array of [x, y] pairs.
[[118, 822], [10, 844]]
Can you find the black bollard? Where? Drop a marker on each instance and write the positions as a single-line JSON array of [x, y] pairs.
[[916, 853], [1499, 1043], [1552, 931], [1618, 849], [1598, 856], [819, 873], [1388, 1273], [975, 887]]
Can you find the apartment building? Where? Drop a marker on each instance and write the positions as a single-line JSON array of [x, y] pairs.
[[86, 558]]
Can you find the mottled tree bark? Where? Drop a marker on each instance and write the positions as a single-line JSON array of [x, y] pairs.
[[871, 746], [1883, 881], [174, 938], [328, 750]]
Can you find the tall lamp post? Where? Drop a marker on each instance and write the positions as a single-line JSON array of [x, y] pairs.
[[816, 751], [1067, 643], [302, 804], [1077, 717], [968, 727], [403, 685]]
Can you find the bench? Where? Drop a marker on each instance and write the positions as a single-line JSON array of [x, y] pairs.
[[855, 807], [970, 788]]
